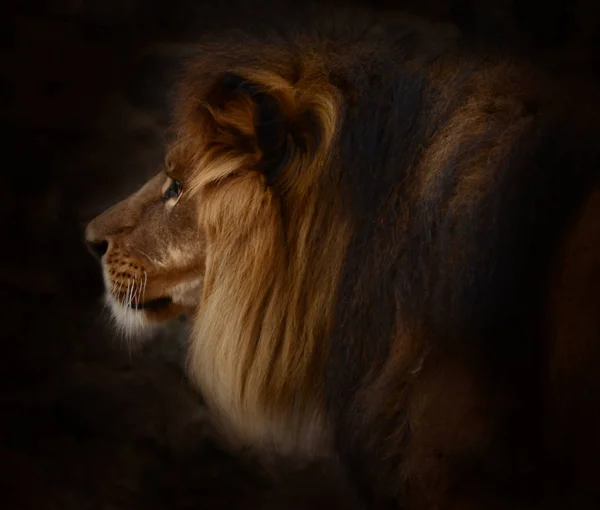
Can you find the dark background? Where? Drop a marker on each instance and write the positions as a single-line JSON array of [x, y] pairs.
[[83, 103]]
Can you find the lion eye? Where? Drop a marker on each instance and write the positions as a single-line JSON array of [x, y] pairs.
[[173, 191]]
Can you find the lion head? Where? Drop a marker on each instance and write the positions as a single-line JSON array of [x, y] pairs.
[[152, 254], [233, 232]]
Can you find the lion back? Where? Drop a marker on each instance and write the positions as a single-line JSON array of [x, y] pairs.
[[461, 179]]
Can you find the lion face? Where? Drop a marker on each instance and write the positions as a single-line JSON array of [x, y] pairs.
[[152, 254]]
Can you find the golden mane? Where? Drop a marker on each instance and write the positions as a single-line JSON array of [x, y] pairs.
[[271, 273], [382, 227]]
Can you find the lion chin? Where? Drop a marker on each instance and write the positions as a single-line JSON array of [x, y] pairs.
[[373, 239]]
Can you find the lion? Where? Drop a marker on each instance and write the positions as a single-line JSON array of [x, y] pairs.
[[374, 238]]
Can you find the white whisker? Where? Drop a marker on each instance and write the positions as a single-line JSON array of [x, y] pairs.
[[118, 293], [121, 298], [131, 293], [128, 307], [131, 312], [144, 287], [140, 288]]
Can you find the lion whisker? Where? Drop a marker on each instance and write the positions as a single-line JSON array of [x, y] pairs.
[[118, 293], [138, 294], [144, 286]]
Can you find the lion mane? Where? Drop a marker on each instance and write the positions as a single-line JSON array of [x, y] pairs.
[[386, 233]]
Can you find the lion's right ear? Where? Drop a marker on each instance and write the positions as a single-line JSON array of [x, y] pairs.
[[249, 118]]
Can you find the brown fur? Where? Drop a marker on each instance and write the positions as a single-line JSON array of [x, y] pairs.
[[378, 224], [151, 250]]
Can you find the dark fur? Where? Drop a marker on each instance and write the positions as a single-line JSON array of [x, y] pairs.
[[471, 288], [438, 376]]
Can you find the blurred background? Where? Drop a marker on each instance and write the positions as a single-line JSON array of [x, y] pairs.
[[84, 85]]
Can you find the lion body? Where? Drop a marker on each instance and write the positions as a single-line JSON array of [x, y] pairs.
[[383, 293]]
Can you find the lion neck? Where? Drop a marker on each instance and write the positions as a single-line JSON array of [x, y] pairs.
[[259, 340]]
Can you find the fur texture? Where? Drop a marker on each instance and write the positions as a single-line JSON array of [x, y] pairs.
[[381, 221]]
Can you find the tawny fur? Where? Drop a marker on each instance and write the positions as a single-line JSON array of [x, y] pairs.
[[371, 230]]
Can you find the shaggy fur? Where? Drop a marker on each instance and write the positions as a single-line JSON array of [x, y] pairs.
[[379, 221]]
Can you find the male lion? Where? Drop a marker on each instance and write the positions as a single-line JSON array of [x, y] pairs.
[[388, 252]]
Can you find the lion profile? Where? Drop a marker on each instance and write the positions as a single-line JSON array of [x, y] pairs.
[[365, 234]]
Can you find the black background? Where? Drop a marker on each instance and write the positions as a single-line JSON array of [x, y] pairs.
[[83, 99]]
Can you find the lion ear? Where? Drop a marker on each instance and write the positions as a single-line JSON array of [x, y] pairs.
[[251, 119]]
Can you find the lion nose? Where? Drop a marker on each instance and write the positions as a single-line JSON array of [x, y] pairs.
[[97, 248], [96, 241]]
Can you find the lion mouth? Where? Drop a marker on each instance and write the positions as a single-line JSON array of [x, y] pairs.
[[153, 304]]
